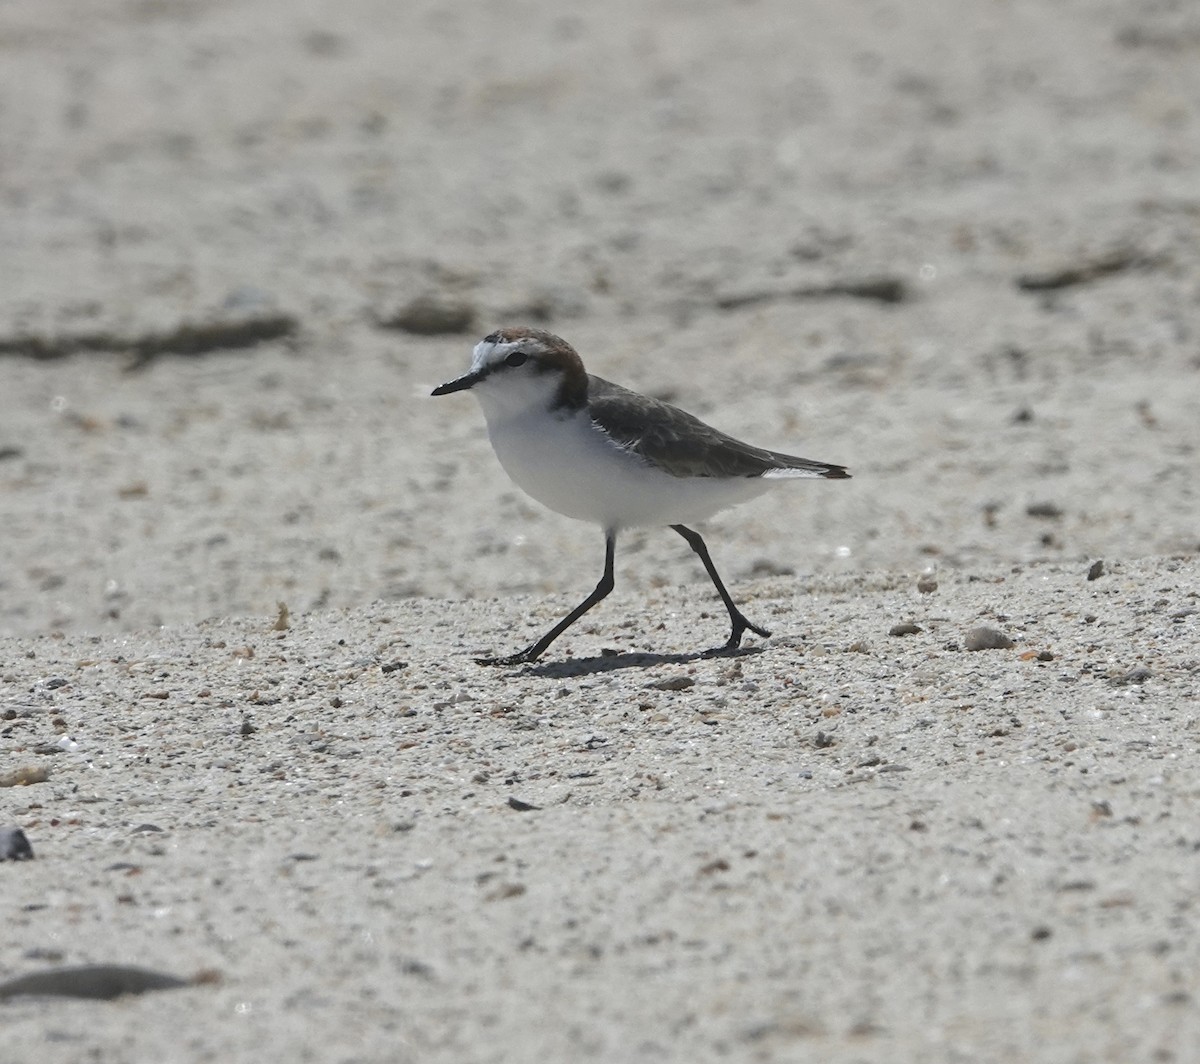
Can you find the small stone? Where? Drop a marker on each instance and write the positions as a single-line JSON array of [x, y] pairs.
[[14, 846], [984, 638], [674, 683], [100, 982], [768, 567], [927, 584], [432, 316], [908, 628], [1096, 570], [1047, 510], [24, 776]]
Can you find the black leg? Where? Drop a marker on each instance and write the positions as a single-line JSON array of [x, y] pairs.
[[535, 650], [736, 618]]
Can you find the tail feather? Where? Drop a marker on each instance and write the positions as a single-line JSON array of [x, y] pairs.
[[808, 469]]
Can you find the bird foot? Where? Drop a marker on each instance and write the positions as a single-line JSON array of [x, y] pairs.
[[740, 627], [521, 657]]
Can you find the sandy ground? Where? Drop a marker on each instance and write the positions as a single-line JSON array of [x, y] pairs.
[[955, 247]]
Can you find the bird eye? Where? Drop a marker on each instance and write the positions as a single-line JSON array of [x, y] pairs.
[[517, 358]]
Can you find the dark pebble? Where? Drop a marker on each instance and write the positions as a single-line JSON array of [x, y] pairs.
[[14, 846], [1044, 509], [908, 628], [1095, 570], [432, 316], [101, 982], [674, 683], [1082, 270]]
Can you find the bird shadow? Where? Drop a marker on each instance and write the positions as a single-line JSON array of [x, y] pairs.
[[601, 663]]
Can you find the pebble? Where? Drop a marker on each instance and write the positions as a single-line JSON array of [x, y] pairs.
[[23, 777], [908, 628], [14, 846], [984, 638], [101, 982], [432, 316], [674, 683], [1096, 569], [1044, 509]]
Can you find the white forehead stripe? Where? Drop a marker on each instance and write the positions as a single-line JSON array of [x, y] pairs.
[[488, 354], [479, 357]]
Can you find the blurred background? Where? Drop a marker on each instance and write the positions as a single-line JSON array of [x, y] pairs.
[[954, 247]]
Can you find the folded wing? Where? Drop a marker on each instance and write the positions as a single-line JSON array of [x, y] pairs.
[[684, 445]]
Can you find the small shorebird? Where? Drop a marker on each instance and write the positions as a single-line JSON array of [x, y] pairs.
[[598, 452]]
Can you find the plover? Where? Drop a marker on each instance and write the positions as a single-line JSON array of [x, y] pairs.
[[598, 452]]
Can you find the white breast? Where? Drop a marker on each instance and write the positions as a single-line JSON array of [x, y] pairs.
[[571, 466]]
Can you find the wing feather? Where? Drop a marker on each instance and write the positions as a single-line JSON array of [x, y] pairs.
[[684, 445]]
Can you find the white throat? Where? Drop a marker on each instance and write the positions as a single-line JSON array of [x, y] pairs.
[[504, 396]]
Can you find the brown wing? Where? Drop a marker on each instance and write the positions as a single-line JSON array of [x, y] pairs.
[[684, 445]]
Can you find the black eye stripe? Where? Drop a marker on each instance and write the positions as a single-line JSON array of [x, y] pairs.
[[517, 358]]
